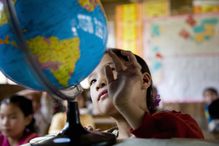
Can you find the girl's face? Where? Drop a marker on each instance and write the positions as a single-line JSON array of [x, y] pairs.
[[98, 87], [209, 97], [12, 121]]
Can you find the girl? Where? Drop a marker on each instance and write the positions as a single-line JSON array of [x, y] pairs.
[[211, 98], [16, 121], [121, 87]]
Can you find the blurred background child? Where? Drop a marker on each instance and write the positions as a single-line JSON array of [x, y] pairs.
[[16, 121], [213, 110], [59, 119], [43, 107], [211, 96]]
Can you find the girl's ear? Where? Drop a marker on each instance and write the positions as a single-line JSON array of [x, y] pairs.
[[146, 80], [28, 120]]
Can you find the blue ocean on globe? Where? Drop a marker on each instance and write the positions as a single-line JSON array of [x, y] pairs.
[[66, 38]]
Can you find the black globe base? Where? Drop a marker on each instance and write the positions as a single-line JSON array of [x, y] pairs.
[[88, 139], [75, 135]]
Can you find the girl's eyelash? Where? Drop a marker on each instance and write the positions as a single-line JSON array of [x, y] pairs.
[[113, 68], [92, 81]]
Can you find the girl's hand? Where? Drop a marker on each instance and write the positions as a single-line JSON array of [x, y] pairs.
[[129, 75], [127, 89]]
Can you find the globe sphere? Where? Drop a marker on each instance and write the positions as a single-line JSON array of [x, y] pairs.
[[66, 38]]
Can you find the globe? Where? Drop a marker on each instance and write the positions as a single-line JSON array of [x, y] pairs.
[[66, 38]]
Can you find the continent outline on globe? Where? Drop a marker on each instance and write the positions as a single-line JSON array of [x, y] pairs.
[[68, 58]]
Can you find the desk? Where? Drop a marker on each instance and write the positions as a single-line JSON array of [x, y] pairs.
[[164, 142]]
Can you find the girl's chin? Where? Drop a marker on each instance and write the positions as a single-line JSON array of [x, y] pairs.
[[106, 111], [110, 110]]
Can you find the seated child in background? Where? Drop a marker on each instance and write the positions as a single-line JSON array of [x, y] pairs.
[[43, 107], [121, 87], [16, 121], [213, 110], [59, 119], [211, 96]]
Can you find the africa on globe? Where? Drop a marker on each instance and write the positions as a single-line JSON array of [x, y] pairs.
[[66, 38]]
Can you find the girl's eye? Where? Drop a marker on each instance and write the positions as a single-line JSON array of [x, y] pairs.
[[92, 81], [13, 117], [113, 68]]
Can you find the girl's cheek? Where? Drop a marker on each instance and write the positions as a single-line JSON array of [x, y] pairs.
[[92, 95]]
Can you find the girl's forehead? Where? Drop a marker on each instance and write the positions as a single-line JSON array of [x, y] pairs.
[[209, 92], [9, 108], [104, 61]]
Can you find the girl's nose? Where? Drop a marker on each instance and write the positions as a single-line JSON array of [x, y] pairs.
[[101, 82], [100, 85]]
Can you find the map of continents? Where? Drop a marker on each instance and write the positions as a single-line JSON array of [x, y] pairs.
[[58, 56]]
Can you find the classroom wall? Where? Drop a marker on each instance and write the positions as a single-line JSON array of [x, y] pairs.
[[183, 55]]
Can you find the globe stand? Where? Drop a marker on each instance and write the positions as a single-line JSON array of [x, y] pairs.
[[74, 134]]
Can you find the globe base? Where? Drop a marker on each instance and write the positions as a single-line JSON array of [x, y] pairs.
[[74, 134], [89, 139]]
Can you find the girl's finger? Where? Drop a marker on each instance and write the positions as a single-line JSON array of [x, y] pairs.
[[118, 63], [109, 74], [132, 59]]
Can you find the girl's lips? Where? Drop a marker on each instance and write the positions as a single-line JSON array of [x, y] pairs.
[[6, 130], [102, 95]]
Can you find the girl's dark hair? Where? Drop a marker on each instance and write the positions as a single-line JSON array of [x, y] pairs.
[[210, 89], [25, 106], [151, 101]]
